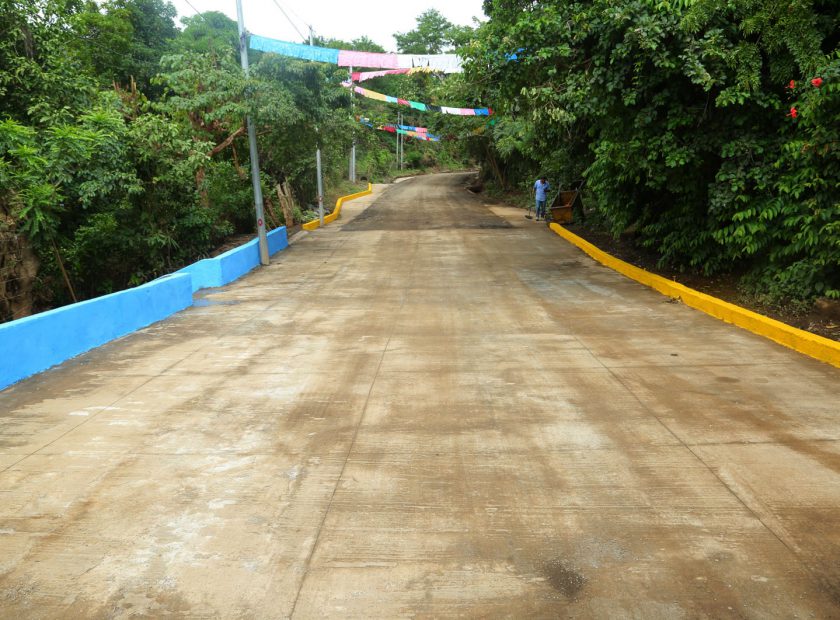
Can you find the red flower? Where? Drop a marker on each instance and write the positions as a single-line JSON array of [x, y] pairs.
[[817, 82], [793, 113], [792, 85]]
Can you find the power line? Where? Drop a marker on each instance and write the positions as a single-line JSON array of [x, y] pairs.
[[190, 4], [297, 15], [292, 11], [289, 19]]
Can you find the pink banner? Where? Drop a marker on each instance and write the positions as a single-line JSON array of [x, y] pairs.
[[349, 58]]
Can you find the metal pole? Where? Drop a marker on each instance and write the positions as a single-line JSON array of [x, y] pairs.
[[397, 156], [320, 186], [318, 162], [252, 145], [352, 175], [402, 143]]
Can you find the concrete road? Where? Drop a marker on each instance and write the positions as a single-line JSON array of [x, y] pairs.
[[434, 408]]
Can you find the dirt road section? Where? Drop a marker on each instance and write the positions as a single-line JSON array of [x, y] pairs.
[[430, 408]]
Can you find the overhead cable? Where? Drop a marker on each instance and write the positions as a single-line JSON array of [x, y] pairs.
[[289, 19]]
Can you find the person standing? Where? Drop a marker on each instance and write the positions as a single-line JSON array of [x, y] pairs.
[[540, 189]]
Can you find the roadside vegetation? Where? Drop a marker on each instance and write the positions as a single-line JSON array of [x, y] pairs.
[[123, 150], [707, 131]]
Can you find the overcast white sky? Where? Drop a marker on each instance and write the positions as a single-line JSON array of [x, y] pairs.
[[340, 19]]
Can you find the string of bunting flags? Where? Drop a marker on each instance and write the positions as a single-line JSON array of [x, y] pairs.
[[416, 105], [366, 121], [420, 133], [445, 63], [389, 64]]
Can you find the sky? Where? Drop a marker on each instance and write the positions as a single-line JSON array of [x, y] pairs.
[[339, 19]]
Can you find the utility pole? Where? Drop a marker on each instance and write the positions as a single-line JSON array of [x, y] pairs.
[[318, 158], [352, 174], [252, 145], [400, 142], [353, 160], [320, 187]]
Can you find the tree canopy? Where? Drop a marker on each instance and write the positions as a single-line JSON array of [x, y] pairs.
[[709, 129], [123, 153], [434, 34]]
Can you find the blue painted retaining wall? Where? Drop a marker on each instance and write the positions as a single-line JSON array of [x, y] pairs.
[[235, 263], [35, 343]]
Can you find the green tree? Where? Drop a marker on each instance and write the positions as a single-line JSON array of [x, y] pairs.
[[361, 44], [433, 35], [316, 112], [42, 79], [123, 40], [674, 112], [123, 153], [209, 32]]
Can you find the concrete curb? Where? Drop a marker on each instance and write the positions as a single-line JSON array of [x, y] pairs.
[[818, 347], [297, 236], [328, 219]]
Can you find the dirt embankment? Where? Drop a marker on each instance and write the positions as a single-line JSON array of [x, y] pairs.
[[18, 270]]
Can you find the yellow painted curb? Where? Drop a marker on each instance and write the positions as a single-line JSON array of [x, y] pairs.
[[818, 347], [315, 224]]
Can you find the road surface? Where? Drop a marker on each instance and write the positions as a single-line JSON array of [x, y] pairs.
[[432, 408]]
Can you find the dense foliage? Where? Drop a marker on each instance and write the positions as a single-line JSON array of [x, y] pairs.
[[434, 34], [123, 150], [708, 128]]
